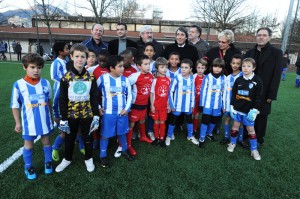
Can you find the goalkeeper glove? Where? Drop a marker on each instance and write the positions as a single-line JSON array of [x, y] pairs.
[[252, 114], [94, 124], [232, 112], [64, 126]]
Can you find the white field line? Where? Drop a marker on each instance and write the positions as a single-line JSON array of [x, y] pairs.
[[9, 161]]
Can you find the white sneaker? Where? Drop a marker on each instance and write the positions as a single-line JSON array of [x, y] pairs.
[[255, 155], [89, 165], [118, 152], [64, 164], [231, 147], [151, 135], [168, 141], [193, 140], [173, 137]]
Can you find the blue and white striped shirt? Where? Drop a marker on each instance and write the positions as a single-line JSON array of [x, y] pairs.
[[229, 81]]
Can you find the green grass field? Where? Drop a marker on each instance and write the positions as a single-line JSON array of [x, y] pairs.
[[180, 171]]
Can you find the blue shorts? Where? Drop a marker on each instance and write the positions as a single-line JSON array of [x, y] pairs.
[[284, 69], [213, 112], [243, 119], [176, 113], [33, 137], [114, 124], [227, 113]]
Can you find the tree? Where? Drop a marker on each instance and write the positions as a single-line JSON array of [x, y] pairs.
[[125, 10]]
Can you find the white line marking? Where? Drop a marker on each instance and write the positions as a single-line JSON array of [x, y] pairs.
[[9, 161]]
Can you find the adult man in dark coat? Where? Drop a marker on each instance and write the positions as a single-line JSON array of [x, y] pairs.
[[268, 67], [116, 46]]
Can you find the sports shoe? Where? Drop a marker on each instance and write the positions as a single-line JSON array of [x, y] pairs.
[[168, 141], [202, 144], [104, 162], [127, 155], [151, 135], [30, 173], [118, 152], [156, 142], [244, 144], [211, 137], [131, 150], [55, 155], [89, 165], [48, 168], [231, 147], [193, 140], [145, 139], [224, 141], [255, 155], [82, 151], [173, 137], [64, 164], [162, 143]]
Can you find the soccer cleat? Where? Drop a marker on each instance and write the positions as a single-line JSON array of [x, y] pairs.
[[231, 147], [64, 164], [193, 140], [82, 151], [255, 155], [118, 152], [151, 135], [162, 143], [244, 144], [48, 168], [30, 173], [156, 142], [104, 162], [168, 141], [224, 141], [173, 137], [202, 144], [145, 139], [211, 137], [55, 155], [127, 155], [90, 167], [131, 150]]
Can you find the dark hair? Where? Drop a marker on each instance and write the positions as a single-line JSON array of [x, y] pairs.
[[265, 28], [218, 62], [91, 50], [252, 61], [199, 29], [202, 61], [174, 53], [149, 44], [122, 24], [187, 61], [140, 58], [126, 53], [133, 51], [236, 56], [79, 47], [32, 58], [59, 46], [112, 61], [160, 61], [185, 31]]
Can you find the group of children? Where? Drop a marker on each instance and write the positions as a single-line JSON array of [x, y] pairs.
[[94, 102]]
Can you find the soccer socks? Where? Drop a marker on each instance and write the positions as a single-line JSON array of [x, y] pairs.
[[150, 124], [58, 142], [80, 141], [234, 135], [195, 124], [210, 128], [27, 157], [122, 140], [162, 131], [170, 130], [253, 142], [129, 137], [226, 130], [103, 147], [190, 129], [203, 130], [241, 133], [142, 130], [297, 83], [48, 153], [156, 130]]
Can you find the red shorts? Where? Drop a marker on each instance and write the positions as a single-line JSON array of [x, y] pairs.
[[137, 115], [160, 115]]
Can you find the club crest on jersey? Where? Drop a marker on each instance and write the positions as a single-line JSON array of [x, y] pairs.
[[145, 89], [250, 85], [45, 90], [79, 88], [162, 91]]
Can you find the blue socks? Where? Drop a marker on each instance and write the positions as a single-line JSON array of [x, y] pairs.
[[150, 124], [253, 144], [170, 130], [210, 128], [226, 130], [123, 140], [80, 141], [103, 147], [58, 142], [241, 133], [190, 130], [203, 130], [27, 157], [48, 153]]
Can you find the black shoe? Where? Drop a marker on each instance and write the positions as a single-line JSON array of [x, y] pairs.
[[224, 141], [104, 162], [127, 155], [162, 143], [156, 142], [211, 137], [244, 144], [202, 144]]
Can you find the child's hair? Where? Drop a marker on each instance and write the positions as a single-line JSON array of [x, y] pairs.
[[174, 53], [160, 61], [126, 53], [92, 51], [32, 58], [140, 58], [112, 61], [252, 61], [59, 46], [202, 61], [133, 51], [149, 44], [187, 61], [79, 47], [218, 62], [236, 56]]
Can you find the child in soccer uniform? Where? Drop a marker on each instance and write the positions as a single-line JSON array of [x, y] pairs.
[[198, 78], [211, 100], [79, 107], [32, 95], [91, 61], [236, 62], [149, 50], [181, 100], [116, 102], [245, 104], [141, 82], [174, 61], [159, 101]]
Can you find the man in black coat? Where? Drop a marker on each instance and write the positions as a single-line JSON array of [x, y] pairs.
[[268, 67], [116, 46]]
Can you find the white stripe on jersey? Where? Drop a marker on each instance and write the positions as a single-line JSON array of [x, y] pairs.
[[173, 74], [33, 101], [58, 69], [229, 81]]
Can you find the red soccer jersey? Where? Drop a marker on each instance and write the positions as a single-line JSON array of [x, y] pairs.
[[99, 71], [141, 87], [129, 71], [160, 88], [198, 83]]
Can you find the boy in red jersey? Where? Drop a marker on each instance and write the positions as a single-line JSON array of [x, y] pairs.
[[201, 66], [141, 82], [159, 101], [127, 63]]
